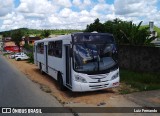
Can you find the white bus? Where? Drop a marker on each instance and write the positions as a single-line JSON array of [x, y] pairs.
[[79, 61]]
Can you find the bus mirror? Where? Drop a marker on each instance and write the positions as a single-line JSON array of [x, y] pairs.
[[71, 52]]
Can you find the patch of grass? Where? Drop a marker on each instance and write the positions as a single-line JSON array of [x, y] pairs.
[[5, 54], [125, 91], [45, 88], [142, 81], [126, 88]]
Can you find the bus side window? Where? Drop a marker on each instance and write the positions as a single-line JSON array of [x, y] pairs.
[[51, 48], [55, 48], [42, 48], [58, 49]]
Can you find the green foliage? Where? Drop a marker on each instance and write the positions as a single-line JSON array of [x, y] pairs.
[[38, 32], [28, 47], [17, 37], [6, 33], [123, 31], [96, 26], [155, 29], [45, 33], [31, 58], [141, 81], [5, 54]]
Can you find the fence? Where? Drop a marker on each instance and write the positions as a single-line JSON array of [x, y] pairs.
[[139, 58]]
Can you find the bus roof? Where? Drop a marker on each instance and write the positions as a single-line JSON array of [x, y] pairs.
[[91, 33], [61, 37], [68, 37]]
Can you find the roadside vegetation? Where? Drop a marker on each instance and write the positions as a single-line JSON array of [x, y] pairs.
[[125, 32], [155, 28], [5, 54], [29, 50], [39, 32], [17, 37], [141, 81], [31, 59]]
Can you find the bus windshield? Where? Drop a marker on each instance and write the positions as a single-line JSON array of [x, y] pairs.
[[94, 56]]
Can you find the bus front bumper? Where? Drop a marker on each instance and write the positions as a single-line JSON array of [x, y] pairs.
[[82, 87]]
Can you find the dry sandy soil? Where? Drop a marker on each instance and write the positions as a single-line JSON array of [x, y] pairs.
[[49, 85]]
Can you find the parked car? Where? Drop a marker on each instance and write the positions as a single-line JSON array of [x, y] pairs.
[[22, 57], [7, 52], [17, 54]]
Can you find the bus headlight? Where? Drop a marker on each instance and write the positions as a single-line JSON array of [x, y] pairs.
[[115, 76], [80, 79]]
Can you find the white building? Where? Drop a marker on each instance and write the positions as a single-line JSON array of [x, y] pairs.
[[156, 42], [153, 33]]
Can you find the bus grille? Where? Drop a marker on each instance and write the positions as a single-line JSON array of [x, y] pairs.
[[100, 76], [98, 86], [98, 81]]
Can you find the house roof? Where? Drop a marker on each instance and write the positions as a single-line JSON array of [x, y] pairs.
[[32, 38], [7, 39]]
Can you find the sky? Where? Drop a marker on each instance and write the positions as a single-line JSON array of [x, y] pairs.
[[74, 14]]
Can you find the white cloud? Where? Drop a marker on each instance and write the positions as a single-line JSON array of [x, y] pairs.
[[13, 21], [84, 19], [105, 8], [24, 7], [85, 13], [86, 2], [77, 2], [134, 7], [74, 14], [82, 4], [65, 12], [137, 10], [6, 6], [54, 19], [64, 3], [35, 8]]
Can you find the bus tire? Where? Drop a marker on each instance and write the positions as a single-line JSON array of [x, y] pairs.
[[40, 68], [60, 82]]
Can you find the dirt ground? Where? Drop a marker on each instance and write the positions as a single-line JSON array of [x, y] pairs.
[[49, 85]]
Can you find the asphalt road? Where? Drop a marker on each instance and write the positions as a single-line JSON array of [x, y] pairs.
[[16, 90]]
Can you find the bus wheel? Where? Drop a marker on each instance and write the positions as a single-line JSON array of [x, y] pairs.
[[40, 67], [60, 82]]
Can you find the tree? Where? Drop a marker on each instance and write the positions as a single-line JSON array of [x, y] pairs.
[[96, 26], [45, 33], [127, 32], [135, 35], [6, 34], [16, 36]]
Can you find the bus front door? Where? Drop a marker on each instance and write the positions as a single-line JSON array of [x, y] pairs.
[[46, 58], [68, 68]]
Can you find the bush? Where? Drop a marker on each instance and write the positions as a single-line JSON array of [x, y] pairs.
[[31, 58]]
